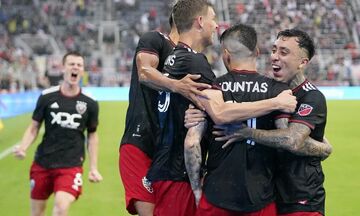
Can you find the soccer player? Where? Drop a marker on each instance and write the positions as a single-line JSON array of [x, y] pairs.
[[137, 144], [57, 167], [299, 179], [240, 180], [196, 24]]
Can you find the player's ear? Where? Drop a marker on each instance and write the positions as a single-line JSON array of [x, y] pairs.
[[304, 62], [257, 51], [200, 23], [227, 56]]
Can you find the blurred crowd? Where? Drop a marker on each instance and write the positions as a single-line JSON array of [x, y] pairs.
[[35, 33]]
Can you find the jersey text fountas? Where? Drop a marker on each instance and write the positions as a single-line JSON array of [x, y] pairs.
[[244, 86]]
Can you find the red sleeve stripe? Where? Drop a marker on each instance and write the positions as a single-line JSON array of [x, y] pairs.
[[283, 115], [303, 122], [148, 52]]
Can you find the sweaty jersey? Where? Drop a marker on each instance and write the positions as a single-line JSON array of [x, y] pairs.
[[241, 177], [168, 161], [66, 118], [141, 117], [300, 179]]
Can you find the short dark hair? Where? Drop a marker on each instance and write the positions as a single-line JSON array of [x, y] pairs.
[[185, 11], [171, 20], [71, 53], [244, 34], [303, 39]]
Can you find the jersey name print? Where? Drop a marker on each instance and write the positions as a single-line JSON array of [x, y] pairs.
[[244, 86]]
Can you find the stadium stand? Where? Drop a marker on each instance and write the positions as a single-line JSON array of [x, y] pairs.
[[34, 34]]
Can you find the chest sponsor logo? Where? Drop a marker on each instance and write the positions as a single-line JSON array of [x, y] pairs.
[[81, 107], [66, 120], [304, 110]]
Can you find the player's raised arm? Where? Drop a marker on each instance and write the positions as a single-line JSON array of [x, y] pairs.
[[150, 76]]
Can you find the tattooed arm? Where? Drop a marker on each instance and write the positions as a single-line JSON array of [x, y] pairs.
[[294, 138], [192, 154], [309, 147]]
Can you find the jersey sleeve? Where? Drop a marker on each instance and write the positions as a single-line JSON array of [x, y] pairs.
[[150, 42], [200, 65], [93, 120], [39, 112], [311, 110]]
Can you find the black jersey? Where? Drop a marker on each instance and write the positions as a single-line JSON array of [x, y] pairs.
[[66, 118], [168, 161], [241, 176], [300, 179], [141, 117]]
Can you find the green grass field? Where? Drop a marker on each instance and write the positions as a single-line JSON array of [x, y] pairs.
[[107, 198]]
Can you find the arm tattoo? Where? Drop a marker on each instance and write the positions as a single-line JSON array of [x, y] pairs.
[[192, 154], [291, 138], [315, 148]]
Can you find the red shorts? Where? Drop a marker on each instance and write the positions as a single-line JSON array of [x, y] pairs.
[[302, 214], [46, 181], [207, 209], [133, 166], [174, 198]]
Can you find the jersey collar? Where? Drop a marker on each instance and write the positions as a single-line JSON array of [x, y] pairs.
[[243, 71]]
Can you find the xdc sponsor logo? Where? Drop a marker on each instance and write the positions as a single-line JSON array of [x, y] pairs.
[[65, 120], [304, 109]]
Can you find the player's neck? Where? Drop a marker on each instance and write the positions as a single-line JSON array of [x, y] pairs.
[[174, 36], [192, 40], [69, 90], [297, 80], [248, 65]]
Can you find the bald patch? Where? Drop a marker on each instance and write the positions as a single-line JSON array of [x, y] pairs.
[[236, 48]]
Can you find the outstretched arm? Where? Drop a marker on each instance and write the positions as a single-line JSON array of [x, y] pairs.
[[225, 113], [151, 77], [192, 154], [29, 137], [93, 142]]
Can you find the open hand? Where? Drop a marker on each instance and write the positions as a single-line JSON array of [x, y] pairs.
[[193, 116], [191, 89], [230, 133]]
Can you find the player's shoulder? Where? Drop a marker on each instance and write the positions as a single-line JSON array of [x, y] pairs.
[[311, 92], [153, 35], [53, 89], [223, 77], [88, 96], [277, 84], [310, 89]]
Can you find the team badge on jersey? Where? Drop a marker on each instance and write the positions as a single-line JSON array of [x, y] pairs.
[[304, 109], [81, 107]]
